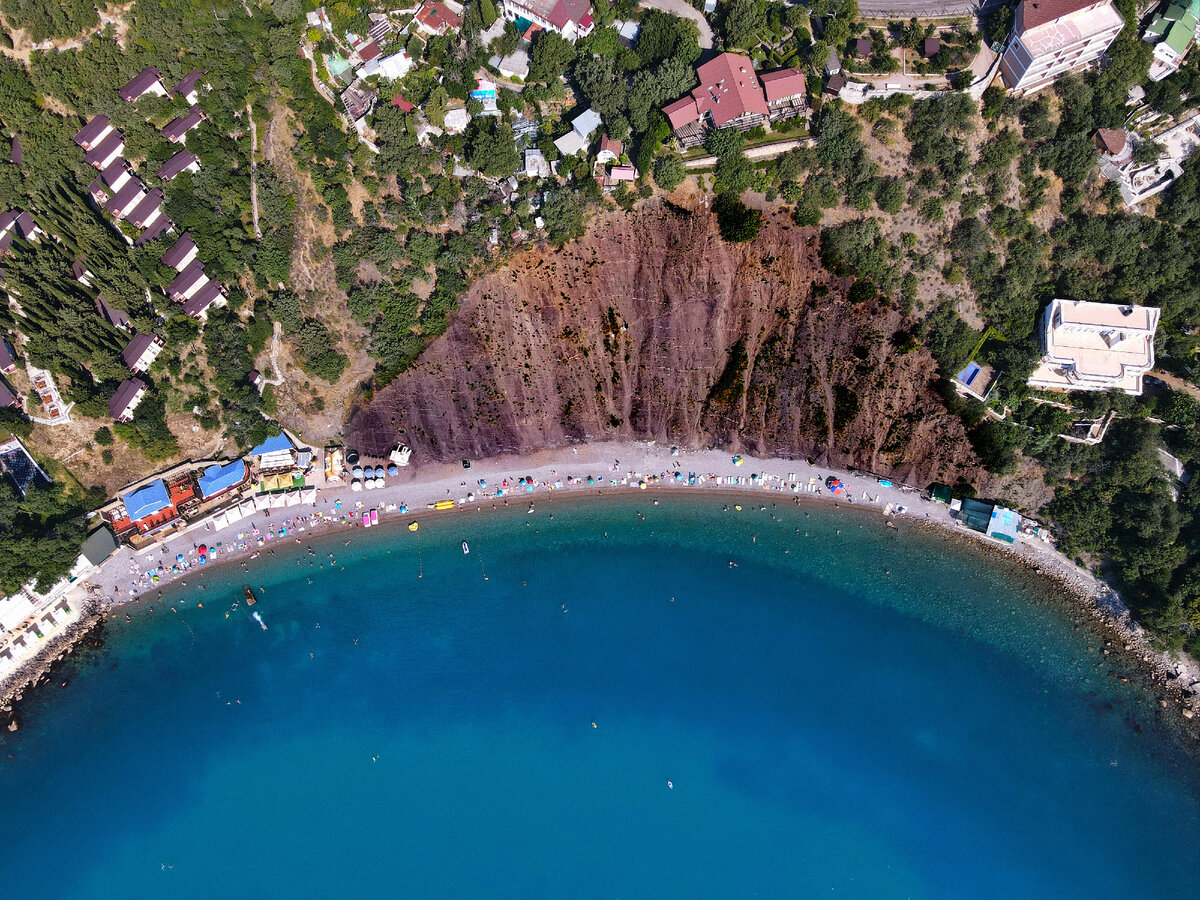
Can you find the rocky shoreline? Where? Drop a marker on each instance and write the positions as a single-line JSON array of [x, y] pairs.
[[40, 670], [1094, 604]]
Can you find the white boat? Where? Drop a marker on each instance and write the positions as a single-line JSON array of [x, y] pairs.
[[466, 549], [257, 618]]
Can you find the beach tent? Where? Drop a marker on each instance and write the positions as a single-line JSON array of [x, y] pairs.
[[293, 498], [262, 501], [309, 496]]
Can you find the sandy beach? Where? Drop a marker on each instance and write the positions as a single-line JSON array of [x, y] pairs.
[[577, 472]]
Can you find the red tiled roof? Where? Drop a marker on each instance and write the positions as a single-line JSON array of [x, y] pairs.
[[784, 83], [728, 88], [368, 51], [438, 17], [1039, 12], [566, 11], [681, 112], [399, 101]]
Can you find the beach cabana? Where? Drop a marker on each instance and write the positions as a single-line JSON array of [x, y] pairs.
[[309, 496]]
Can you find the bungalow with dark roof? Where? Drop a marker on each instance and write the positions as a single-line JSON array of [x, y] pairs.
[[436, 19], [256, 380], [113, 316], [155, 229], [141, 351], [212, 294], [180, 255], [124, 200], [366, 51], [103, 154], [1114, 145], [187, 86], [147, 81], [126, 399], [833, 87], [110, 180], [862, 48], [8, 357], [183, 161], [176, 130], [187, 282], [931, 47], [16, 223], [9, 399], [96, 130], [148, 210], [16, 153], [82, 273]]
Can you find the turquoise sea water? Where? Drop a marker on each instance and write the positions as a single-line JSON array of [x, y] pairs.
[[868, 714]]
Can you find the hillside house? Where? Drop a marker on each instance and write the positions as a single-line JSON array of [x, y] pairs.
[[188, 87], [570, 18], [1172, 32], [8, 357], [435, 19], [141, 351], [147, 81], [1114, 145], [930, 47], [1089, 346], [610, 150], [729, 96], [125, 400], [180, 256], [157, 228], [81, 273], [1053, 37], [183, 161], [17, 224]]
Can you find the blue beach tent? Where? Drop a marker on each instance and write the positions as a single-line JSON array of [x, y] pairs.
[[146, 501]]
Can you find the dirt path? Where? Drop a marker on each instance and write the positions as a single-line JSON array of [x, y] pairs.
[[762, 151], [1176, 383], [23, 48], [253, 171]]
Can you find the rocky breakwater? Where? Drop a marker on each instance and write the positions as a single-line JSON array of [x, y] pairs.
[[652, 327]]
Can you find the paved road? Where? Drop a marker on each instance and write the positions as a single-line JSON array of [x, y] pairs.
[[685, 11], [922, 9]]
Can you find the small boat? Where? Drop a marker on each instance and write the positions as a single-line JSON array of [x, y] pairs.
[[250, 598], [444, 504], [669, 784], [257, 618], [413, 526], [466, 549]]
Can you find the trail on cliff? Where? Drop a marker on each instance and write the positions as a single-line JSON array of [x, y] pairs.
[[652, 327]]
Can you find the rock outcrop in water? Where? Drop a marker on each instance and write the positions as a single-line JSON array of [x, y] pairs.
[[652, 327]]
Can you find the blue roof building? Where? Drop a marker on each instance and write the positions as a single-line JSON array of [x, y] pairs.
[[146, 501], [272, 445], [217, 479]]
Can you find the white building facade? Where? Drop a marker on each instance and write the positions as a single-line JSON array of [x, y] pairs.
[[1053, 37], [1090, 346]]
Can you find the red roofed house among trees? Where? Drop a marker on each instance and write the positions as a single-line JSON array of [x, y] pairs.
[[730, 95], [570, 18], [436, 19]]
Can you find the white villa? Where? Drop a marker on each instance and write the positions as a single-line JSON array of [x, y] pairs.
[[1090, 346]]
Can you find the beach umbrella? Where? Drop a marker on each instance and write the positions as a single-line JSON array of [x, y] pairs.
[[358, 472], [203, 549], [392, 470], [352, 456], [379, 473], [369, 484], [355, 485]]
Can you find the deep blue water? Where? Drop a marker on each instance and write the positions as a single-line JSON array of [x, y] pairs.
[[868, 714]]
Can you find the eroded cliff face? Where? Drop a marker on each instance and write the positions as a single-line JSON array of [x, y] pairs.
[[651, 327]]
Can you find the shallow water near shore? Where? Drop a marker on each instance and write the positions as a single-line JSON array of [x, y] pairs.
[[872, 712]]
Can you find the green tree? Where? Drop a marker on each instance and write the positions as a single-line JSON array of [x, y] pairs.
[[737, 222], [552, 54], [669, 171]]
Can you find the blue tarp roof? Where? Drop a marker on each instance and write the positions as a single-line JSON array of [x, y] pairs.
[[221, 478], [271, 444], [146, 501]]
